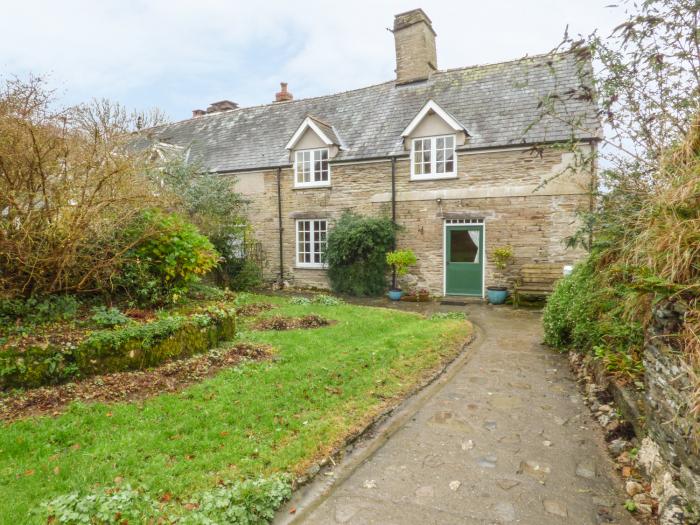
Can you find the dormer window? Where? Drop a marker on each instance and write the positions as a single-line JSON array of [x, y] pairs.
[[311, 168], [433, 158]]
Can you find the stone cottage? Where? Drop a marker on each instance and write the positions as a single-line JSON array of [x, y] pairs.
[[447, 153]]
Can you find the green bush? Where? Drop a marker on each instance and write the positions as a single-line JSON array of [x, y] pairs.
[[356, 254], [38, 310], [172, 256], [248, 275], [108, 317], [587, 312]]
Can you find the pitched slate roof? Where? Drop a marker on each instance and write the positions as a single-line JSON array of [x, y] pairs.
[[497, 103]]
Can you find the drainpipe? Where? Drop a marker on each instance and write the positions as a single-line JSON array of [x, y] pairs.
[[279, 218], [393, 213]]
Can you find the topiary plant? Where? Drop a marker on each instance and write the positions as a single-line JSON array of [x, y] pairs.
[[400, 261]]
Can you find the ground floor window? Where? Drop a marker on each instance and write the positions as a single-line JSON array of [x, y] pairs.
[[311, 242]]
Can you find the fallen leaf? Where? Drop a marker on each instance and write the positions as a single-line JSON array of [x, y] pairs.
[[293, 510], [56, 471], [191, 506], [166, 497], [29, 472], [118, 480]]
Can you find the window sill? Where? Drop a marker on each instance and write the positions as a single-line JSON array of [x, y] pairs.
[[417, 178], [310, 267], [312, 186]]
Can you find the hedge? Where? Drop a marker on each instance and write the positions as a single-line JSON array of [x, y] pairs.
[[133, 347]]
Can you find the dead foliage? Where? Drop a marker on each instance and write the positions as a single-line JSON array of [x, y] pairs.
[[253, 309], [291, 323], [126, 386]]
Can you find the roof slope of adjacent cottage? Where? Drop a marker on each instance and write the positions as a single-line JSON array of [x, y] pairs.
[[496, 103]]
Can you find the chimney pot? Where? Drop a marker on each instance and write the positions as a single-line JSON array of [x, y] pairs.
[[198, 113], [283, 95], [414, 38]]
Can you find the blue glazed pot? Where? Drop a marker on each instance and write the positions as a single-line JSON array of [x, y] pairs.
[[497, 294], [395, 295]]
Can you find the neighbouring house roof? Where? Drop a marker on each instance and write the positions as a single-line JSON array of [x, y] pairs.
[[499, 105]]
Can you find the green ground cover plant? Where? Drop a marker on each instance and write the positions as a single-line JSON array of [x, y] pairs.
[[254, 421]]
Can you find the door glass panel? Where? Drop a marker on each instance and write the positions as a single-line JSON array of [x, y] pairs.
[[464, 246]]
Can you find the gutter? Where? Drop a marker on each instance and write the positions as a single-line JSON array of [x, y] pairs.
[[281, 229]]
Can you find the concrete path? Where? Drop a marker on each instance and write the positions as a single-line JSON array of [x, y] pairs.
[[506, 440]]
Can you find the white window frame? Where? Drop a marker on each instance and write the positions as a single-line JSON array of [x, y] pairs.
[[433, 175], [312, 230], [312, 183]]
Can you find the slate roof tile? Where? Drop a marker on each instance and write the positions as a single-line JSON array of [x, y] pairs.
[[497, 103]]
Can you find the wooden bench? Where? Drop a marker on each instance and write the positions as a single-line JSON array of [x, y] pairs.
[[537, 279]]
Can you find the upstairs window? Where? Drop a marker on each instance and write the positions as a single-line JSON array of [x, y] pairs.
[[433, 158], [311, 168], [311, 243]]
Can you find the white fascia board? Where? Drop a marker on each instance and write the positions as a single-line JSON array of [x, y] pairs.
[[433, 106], [308, 123]]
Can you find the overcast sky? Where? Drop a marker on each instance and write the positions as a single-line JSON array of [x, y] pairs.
[[180, 55]]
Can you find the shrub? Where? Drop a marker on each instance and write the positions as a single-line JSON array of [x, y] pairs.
[[248, 275], [171, 256], [587, 312], [108, 317], [38, 310], [400, 260], [71, 181], [356, 254]]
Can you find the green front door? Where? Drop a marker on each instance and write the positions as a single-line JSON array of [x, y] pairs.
[[464, 259]]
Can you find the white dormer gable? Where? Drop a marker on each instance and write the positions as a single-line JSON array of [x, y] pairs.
[[432, 120], [323, 134]]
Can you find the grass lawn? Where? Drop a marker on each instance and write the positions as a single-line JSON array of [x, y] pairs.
[[256, 419]]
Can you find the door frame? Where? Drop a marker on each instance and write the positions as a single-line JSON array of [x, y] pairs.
[[463, 222]]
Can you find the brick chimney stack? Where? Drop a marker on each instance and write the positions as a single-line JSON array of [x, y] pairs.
[[198, 113], [414, 38], [283, 95]]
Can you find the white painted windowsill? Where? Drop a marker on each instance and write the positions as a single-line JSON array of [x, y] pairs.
[[442, 176], [312, 185]]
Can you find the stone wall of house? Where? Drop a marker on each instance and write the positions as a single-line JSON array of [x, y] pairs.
[[673, 448], [505, 188]]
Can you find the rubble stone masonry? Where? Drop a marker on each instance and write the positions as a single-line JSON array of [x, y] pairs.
[[507, 188]]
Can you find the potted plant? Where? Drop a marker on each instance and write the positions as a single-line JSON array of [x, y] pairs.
[[417, 295], [502, 257], [399, 260]]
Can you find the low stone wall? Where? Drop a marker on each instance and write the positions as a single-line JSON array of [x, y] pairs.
[[673, 449], [130, 348]]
